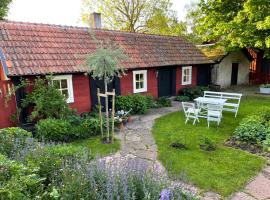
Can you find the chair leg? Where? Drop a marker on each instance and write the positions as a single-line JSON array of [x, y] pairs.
[[236, 113], [208, 123], [194, 121]]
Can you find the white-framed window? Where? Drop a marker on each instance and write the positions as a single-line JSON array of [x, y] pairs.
[[139, 81], [64, 84], [186, 75]]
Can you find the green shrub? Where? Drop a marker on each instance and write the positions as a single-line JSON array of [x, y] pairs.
[[138, 104], [164, 102], [19, 181], [51, 158], [13, 140], [193, 92], [47, 101], [251, 130], [264, 116], [64, 130], [266, 143], [207, 144], [182, 98], [87, 127], [54, 130], [150, 102]]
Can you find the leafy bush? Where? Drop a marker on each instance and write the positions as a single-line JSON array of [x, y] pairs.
[[193, 92], [50, 158], [182, 98], [87, 127], [266, 143], [46, 100], [251, 130], [64, 130], [164, 102], [54, 130], [19, 181], [136, 102], [139, 104], [150, 102], [207, 144], [13, 140]]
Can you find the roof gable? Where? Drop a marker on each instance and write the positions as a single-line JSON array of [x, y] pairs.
[[32, 49]]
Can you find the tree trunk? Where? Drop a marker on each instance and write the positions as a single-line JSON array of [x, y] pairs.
[[107, 112]]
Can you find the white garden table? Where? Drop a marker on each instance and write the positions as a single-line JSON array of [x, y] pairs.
[[203, 101]]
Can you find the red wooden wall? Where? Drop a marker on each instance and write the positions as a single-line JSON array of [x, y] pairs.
[[6, 109], [81, 91], [126, 83], [179, 85]]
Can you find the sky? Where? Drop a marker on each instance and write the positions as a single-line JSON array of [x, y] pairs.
[[64, 12]]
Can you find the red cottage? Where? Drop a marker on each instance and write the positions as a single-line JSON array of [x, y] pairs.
[[162, 64]]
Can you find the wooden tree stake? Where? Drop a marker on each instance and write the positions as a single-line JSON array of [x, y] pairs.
[[100, 113], [113, 113]]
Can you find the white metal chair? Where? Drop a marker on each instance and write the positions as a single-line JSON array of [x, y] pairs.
[[191, 112], [214, 113]]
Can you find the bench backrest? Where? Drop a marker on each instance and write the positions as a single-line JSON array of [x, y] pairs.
[[223, 95]]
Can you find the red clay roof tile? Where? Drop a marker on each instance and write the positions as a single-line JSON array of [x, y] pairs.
[[32, 49]]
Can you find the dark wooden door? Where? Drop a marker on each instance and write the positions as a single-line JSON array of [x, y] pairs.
[[204, 75], [95, 84], [166, 82], [234, 76]]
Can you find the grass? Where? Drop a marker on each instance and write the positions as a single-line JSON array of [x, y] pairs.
[[225, 170], [95, 146]]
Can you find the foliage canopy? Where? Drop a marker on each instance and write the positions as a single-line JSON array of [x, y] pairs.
[[4, 8], [148, 16], [233, 24]]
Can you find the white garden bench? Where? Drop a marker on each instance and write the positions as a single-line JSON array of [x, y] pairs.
[[227, 106]]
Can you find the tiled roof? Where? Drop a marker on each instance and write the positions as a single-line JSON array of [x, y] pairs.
[[31, 49]]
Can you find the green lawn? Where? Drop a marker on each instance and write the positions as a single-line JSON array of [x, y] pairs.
[[95, 146], [223, 171]]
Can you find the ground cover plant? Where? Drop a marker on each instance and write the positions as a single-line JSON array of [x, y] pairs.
[[69, 171], [223, 170]]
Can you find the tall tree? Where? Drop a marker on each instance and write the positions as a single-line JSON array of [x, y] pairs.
[[234, 24], [151, 16], [4, 8]]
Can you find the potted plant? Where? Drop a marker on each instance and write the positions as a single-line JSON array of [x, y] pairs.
[[123, 115], [265, 88], [119, 123]]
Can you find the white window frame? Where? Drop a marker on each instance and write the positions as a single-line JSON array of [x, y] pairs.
[[144, 89], [190, 75], [70, 98]]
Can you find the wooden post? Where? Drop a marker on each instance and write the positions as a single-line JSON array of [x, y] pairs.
[[113, 113], [107, 111], [100, 113]]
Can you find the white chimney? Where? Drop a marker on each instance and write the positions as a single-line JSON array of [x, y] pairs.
[[95, 20]]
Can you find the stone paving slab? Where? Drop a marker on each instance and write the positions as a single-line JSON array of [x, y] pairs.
[[259, 187], [242, 196]]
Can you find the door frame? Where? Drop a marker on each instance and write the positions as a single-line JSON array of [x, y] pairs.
[[172, 78], [233, 73]]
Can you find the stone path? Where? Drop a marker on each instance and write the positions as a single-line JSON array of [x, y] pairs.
[[138, 146], [257, 189]]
